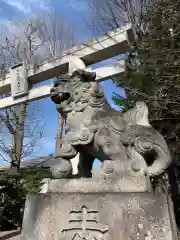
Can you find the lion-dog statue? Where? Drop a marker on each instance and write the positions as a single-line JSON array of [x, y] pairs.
[[124, 143]]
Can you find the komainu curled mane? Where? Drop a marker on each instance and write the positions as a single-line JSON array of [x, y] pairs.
[[124, 143]]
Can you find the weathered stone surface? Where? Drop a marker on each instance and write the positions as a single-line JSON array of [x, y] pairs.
[[107, 216], [90, 185]]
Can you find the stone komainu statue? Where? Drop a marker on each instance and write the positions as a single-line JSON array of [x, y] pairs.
[[124, 143]]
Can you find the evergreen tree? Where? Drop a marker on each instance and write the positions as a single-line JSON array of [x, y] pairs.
[[14, 188], [153, 71]]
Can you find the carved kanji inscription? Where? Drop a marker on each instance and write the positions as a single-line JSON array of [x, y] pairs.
[[84, 224]]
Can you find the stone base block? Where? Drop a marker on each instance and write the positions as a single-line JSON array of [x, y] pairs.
[[126, 183], [98, 216]]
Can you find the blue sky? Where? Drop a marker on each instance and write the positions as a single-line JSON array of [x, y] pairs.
[[74, 12]]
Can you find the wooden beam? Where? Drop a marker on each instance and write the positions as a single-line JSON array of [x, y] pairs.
[[102, 73], [109, 45]]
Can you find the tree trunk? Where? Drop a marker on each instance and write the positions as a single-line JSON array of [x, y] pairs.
[[59, 131], [18, 137], [174, 191]]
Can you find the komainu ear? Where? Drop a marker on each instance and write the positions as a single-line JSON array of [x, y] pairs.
[[85, 75], [138, 115], [90, 76]]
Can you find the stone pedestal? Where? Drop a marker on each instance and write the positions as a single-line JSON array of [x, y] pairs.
[[98, 213]]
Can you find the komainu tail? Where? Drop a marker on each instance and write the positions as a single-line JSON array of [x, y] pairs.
[[138, 115]]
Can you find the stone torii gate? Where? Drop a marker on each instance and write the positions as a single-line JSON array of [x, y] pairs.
[[111, 44]]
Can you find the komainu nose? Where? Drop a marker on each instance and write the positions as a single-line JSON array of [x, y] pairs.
[[52, 90]]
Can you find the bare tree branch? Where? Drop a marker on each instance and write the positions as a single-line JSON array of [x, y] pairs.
[[38, 39]]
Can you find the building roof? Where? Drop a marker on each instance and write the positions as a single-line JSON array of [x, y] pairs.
[[44, 162]]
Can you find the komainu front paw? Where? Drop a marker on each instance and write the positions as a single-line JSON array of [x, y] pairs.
[[108, 167], [61, 169]]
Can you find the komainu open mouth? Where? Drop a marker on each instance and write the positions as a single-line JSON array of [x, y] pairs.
[[60, 97]]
